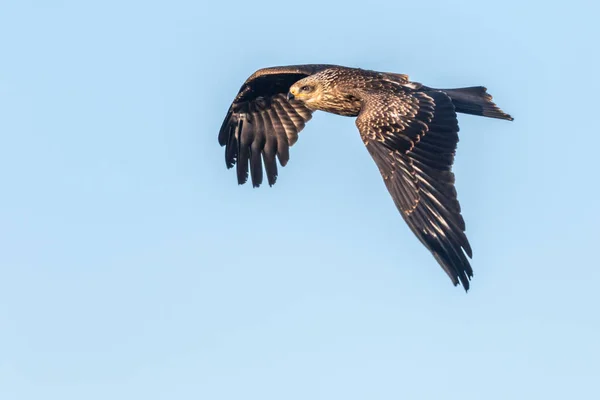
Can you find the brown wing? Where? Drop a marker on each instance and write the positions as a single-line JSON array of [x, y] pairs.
[[263, 122], [412, 137]]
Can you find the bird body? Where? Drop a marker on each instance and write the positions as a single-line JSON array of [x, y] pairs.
[[409, 129]]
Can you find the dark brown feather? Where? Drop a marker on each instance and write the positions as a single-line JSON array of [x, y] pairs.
[[412, 137], [410, 130], [270, 149], [263, 123]]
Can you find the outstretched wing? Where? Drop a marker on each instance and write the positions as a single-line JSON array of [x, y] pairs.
[[412, 137], [261, 121]]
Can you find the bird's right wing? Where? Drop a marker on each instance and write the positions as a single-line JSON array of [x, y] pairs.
[[412, 137], [261, 121]]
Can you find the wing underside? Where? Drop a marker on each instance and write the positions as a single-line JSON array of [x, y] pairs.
[[262, 124]]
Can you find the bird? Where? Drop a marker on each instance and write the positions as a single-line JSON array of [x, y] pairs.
[[409, 129]]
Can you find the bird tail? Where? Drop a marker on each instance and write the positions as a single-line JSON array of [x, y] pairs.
[[475, 100]]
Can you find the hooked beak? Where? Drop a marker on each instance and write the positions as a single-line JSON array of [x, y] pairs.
[[290, 96]]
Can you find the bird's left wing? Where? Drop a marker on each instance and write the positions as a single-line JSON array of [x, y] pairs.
[[412, 137], [261, 121]]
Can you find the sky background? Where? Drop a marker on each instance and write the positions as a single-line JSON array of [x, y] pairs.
[[132, 265]]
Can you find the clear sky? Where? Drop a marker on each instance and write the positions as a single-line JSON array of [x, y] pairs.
[[132, 265]]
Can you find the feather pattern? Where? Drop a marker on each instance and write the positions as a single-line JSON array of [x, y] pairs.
[[412, 137], [409, 129], [262, 124]]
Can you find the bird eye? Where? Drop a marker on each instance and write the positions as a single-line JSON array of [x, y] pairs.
[[305, 88]]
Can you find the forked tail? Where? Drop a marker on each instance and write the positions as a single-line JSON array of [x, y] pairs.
[[475, 100]]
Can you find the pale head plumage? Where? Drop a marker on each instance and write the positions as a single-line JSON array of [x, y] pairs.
[[310, 90], [322, 91]]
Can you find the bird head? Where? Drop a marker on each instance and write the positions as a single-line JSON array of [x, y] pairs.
[[307, 90]]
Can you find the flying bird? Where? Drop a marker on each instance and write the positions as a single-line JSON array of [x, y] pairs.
[[409, 129]]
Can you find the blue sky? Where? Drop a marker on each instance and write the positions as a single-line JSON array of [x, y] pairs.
[[133, 266]]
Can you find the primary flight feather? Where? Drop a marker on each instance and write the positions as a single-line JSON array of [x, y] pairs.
[[410, 130]]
